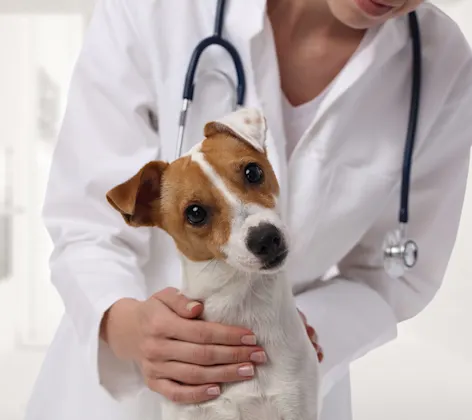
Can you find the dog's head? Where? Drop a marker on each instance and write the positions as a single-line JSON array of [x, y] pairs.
[[219, 201]]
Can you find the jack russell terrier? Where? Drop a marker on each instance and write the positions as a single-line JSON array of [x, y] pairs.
[[219, 204]]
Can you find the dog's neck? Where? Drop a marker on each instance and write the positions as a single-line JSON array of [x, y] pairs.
[[238, 298], [203, 279]]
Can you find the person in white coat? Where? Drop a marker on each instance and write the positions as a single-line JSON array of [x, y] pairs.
[[333, 78]]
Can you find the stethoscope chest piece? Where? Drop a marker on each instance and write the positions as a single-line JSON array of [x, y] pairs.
[[400, 253]]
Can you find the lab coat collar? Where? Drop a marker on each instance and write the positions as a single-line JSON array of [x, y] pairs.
[[248, 27], [379, 45], [265, 80], [243, 19]]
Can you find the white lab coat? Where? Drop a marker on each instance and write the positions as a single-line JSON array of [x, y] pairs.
[[339, 190]]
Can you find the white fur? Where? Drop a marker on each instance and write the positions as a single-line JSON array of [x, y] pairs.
[[248, 124], [287, 387], [236, 292], [198, 157]]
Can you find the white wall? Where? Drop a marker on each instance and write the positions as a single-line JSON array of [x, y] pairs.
[[30, 307], [11, 131]]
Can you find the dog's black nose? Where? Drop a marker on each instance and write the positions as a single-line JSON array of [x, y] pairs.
[[266, 242]]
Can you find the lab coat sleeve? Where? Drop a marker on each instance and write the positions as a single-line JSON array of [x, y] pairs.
[[359, 309], [105, 138]]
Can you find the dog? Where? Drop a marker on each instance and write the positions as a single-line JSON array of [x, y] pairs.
[[219, 204]]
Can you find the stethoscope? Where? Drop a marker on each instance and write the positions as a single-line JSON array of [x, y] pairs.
[[400, 253]]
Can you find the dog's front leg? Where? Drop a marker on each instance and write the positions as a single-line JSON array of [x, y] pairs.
[[298, 403]]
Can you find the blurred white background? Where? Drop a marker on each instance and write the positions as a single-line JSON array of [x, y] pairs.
[[425, 374]]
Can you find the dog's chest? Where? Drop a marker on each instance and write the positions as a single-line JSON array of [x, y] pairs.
[[239, 308], [258, 306], [267, 308]]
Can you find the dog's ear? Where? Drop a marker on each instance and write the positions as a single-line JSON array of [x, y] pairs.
[[137, 199], [247, 124]]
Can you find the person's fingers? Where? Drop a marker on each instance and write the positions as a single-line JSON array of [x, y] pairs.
[[302, 315], [209, 354], [314, 339], [204, 332], [318, 348], [199, 375], [178, 303], [311, 331], [319, 352], [183, 394]]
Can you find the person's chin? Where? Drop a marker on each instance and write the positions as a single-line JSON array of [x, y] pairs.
[[351, 15]]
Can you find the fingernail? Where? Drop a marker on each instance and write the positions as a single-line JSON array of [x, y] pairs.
[[249, 340], [258, 357], [214, 390], [192, 305], [246, 371]]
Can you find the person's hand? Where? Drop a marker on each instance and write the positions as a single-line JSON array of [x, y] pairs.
[[182, 358], [313, 337]]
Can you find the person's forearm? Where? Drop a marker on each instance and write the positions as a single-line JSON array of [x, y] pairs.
[[118, 328]]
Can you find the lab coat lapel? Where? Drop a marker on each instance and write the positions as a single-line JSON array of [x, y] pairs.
[[246, 14], [377, 46], [266, 82], [262, 78], [320, 187]]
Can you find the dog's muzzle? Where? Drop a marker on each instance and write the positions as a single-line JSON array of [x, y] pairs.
[[268, 244]]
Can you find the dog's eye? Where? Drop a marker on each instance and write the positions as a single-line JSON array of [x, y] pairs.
[[196, 215], [253, 173]]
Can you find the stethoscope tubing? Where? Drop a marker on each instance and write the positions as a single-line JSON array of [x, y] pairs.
[[413, 118]]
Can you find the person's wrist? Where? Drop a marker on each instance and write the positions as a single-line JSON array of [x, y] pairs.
[[119, 327]]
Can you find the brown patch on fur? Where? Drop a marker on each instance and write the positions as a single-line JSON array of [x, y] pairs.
[[184, 184], [229, 156], [136, 198], [158, 196]]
